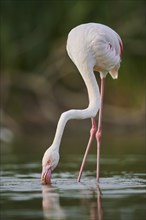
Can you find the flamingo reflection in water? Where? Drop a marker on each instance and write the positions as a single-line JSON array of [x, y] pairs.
[[53, 210]]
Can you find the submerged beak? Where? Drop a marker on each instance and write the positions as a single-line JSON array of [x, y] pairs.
[[46, 175]]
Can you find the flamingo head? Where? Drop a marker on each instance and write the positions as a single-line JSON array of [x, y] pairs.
[[49, 162]]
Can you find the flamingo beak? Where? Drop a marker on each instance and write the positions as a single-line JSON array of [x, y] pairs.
[[46, 175]]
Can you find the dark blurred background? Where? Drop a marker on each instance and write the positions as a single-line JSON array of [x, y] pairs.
[[39, 81]]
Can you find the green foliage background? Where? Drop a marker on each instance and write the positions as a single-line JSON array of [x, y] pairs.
[[38, 80]]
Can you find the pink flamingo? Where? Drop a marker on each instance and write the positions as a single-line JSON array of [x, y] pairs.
[[92, 47]]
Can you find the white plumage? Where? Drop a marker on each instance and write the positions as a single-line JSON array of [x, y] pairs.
[[92, 47], [95, 45]]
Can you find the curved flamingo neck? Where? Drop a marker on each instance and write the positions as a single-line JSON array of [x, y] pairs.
[[90, 111]]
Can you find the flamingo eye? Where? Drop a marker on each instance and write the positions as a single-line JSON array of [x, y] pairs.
[[49, 162]]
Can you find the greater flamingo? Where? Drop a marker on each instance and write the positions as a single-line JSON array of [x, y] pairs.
[[92, 47]]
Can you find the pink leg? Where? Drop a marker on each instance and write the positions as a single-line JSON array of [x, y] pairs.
[[98, 138], [92, 134], [99, 130]]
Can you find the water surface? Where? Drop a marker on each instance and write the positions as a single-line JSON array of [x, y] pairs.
[[120, 194]]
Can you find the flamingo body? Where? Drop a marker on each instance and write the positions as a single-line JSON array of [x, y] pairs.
[[92, 47], [96, 46]]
